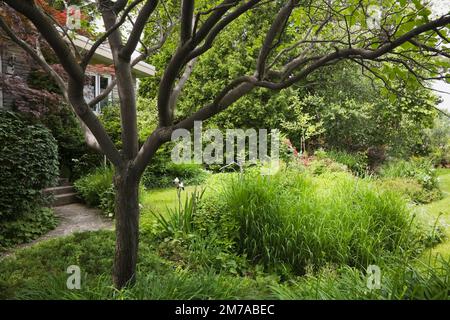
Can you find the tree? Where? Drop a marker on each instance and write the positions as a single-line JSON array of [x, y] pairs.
[[291, 48]]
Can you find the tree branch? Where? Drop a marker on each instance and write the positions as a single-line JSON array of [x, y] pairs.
[[88, 56], [187, 16], [35, 55], [138, 28], [51, 35]]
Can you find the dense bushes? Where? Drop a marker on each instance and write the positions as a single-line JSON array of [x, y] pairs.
[[97, 189], [437, 141], [75, 158], [27, 227], [419, 170], [162, 171], [29, 163], [162, 175], [355, 162]]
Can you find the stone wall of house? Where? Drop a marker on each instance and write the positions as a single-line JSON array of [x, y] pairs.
[[17, 63], [14, 62]]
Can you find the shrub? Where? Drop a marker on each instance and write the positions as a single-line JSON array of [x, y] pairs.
[[28, 162], [326, 165], [421, 169], [27, 227], [162, 171], [97, 189], [437, 140], [72, 149], [147, 120], [292, 221], [355, 162], [110, 118], [411, 189], [85, 163], [339, 161]]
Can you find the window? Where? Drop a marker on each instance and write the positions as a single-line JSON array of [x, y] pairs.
[[95, 85], [103, 84]]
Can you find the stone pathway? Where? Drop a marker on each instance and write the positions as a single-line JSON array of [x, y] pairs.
[[76, 217], [72, 218]]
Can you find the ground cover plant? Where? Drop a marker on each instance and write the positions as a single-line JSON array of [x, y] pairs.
[[213, 261]]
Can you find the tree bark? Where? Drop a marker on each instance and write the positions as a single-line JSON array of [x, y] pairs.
[[127, 228]]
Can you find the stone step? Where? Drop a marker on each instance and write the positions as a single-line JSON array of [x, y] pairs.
[[60, 190], [63, 182], [66, 198]]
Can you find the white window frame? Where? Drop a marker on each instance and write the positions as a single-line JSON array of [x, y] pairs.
[[97, 89]]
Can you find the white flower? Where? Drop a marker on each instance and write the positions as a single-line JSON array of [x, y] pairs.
[[176, 181], [181, 186]]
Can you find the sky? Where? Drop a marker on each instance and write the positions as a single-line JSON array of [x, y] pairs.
[[442, 7], [442, 86]]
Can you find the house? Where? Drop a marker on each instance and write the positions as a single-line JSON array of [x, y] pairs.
[[15, 62]]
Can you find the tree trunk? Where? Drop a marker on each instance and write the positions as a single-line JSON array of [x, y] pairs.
[[127, 228]]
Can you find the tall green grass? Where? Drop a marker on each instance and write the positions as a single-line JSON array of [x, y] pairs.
[[421, 169], [295, 221], [180, 218], [399, 281]]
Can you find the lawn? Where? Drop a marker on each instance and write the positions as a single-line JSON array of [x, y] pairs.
[[158, 200], [439, 210]]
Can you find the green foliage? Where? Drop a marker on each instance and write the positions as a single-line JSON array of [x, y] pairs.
[[110, 118], [27, 227], [180, 219], [400, 281], [421, 169], [29, 163], [147, 120], [303, 126], [339, 108], [39, 273], [438, 141], [86, 163], [326, 165], [416, 178], [292, 221], [75, 158], [97, 189], [162, 171], [411, 189], [357, 163]]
